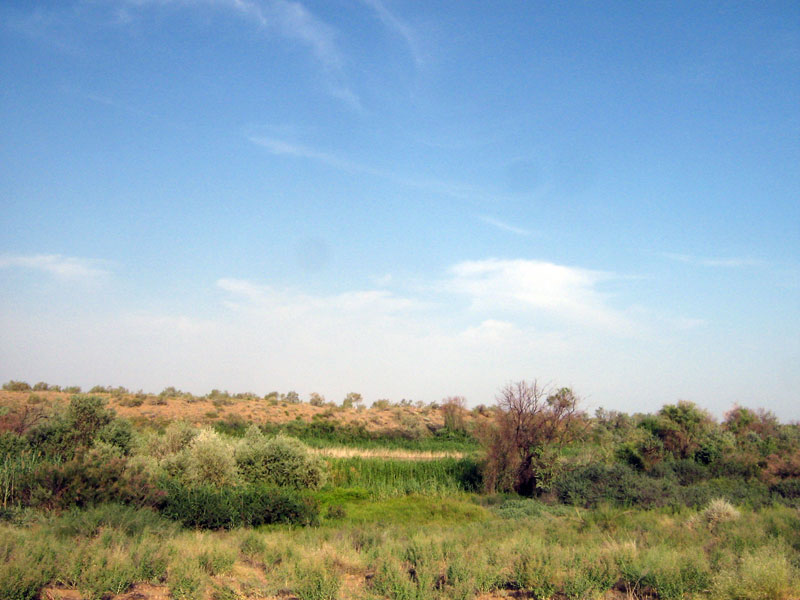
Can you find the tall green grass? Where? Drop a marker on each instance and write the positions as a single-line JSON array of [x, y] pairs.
[[14, 469], [386, 478]]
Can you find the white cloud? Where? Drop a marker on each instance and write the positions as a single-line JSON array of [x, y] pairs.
[[529, 285], [62, 267], [419, 345]]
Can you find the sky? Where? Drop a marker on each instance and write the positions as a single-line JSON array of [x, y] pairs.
[[409, 200]]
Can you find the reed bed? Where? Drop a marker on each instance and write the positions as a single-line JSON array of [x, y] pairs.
[[385, 478]]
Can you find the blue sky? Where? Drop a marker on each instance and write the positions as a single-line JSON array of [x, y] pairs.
[[409, 200]]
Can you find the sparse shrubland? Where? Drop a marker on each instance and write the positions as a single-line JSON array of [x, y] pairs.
[[551, 503]]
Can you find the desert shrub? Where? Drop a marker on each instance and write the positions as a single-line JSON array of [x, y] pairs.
[[40, 386], [642, 451], [784, 466], [336, 511], [209, 460], [177, 436], [736, 491], [118, 433], [688, 471], [64, 433], [233, 425], [519, 508], [91, 477], [21, 581], [128, 520], [12, 444], [281, 461], [16, 386], [216, 560], [762, 574], [352, 400], [593, 484], [252, 545], [207, 507], [131, 401], [718, 511], [316, 582], [186, 581], [788, 489]]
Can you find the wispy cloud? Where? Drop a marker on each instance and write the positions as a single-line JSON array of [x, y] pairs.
[[245, 293], [62, 267], [504, 226], [400, 27], [730, 263], [280, 147], [289, 19], [529, 285]]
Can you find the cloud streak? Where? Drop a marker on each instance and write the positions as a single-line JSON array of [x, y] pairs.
[[280, 147], [292, 21], [397, 25], [497, 223], [726, 263], [66, 268]]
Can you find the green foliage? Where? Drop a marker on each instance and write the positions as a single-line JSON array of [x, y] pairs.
[[596, 483], [209, 460], [91, 477], [762, 574], [207, 507], [281, 461], [128, 520], [119, 434], [385, 477], [63, 434], [315, 582]]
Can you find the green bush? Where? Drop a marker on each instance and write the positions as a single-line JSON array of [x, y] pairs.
[[118, 433], [92, 477], [737, 491], [788, 489], [593, 484], [64, 433], [281, 461], [17, 386], [206, 507], [210, 461]]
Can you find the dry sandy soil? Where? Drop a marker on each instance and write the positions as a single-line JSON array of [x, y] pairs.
[[202, 410]]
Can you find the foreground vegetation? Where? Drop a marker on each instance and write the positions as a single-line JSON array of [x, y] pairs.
[[533, 498]]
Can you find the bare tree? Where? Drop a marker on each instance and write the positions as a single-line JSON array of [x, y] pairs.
[[530, 428]]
